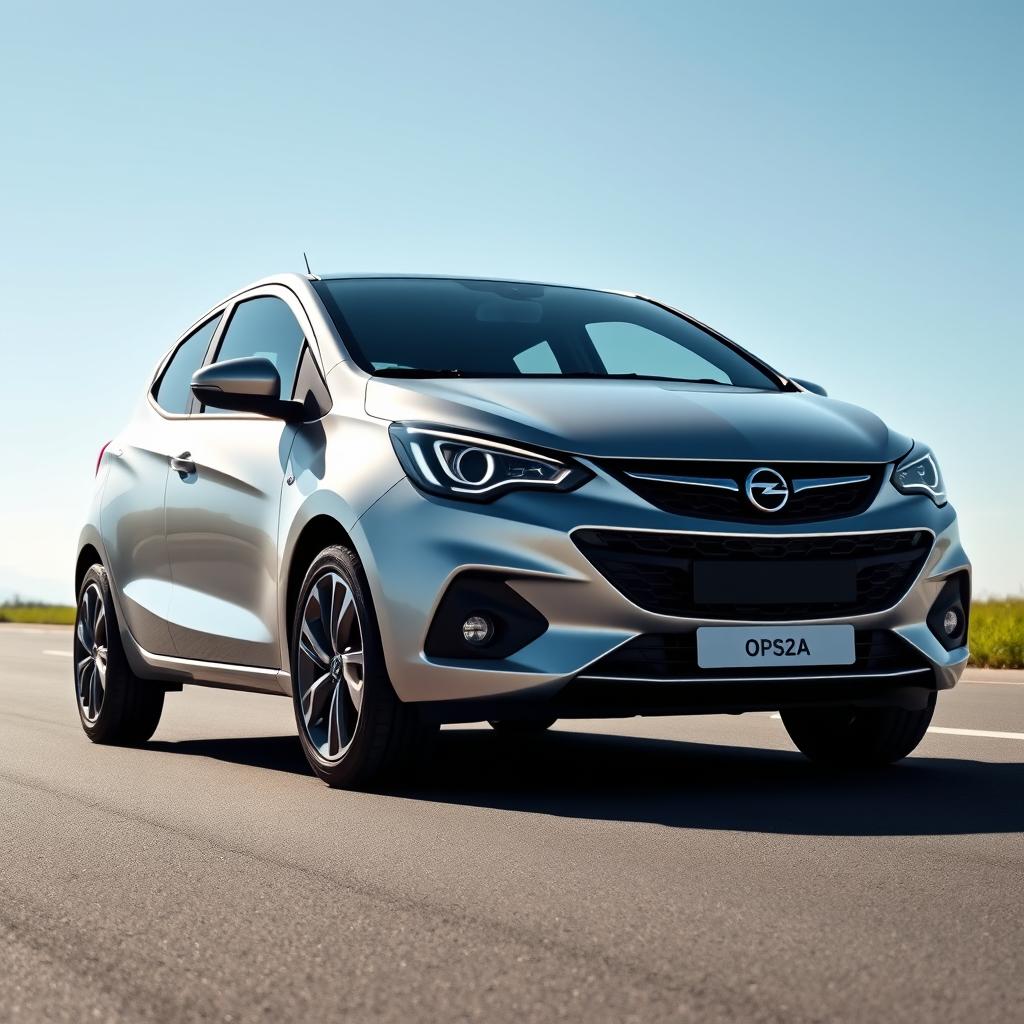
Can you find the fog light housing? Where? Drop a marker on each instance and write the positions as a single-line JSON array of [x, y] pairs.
[[948, 618], [477, 630]]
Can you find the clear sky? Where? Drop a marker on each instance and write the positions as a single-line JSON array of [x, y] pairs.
[[836, 186]]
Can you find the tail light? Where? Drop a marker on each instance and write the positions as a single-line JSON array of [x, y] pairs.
[[99, 458]]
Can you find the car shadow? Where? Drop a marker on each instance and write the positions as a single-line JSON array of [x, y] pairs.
[[683, 784]]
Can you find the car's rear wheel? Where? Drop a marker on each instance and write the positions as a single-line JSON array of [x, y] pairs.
[[355, 732], [521, 726], [114, 705], [857, 737]]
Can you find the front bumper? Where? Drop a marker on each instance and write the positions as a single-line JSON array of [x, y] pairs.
[[413, 546]]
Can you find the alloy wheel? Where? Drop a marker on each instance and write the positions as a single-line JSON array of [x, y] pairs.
[[330, 666], [91, 653]]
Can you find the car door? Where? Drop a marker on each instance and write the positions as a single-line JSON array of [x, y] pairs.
[[132, 519], [223, 501]]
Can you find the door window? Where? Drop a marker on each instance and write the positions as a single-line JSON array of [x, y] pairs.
[[172, 392], [263, 327]]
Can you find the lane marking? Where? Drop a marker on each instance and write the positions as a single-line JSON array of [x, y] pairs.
[[946, 731], [59, 654], [977, 732], [994, 682]]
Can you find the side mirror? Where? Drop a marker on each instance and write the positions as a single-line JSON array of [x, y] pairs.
[[809, 385], [249, 384]]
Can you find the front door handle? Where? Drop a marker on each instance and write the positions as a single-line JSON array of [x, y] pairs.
[[183, 464]]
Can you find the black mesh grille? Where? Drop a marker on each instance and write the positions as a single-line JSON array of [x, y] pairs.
[[674, 656], [703, 502], [765, 579]]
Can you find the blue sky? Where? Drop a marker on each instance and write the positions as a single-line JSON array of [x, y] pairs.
[[837, 186]]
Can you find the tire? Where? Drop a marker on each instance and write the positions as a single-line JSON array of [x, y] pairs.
[[522, 727], [857, 737], [354, 730], [115, 706]]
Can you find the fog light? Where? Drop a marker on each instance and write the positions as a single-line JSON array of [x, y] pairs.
[[477, 630], [951, 622]]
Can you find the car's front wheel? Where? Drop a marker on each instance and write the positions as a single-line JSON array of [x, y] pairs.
[[857, 737], [354, 730], [114, 704]]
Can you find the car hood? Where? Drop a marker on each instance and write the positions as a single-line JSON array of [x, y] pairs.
[[644, 419]]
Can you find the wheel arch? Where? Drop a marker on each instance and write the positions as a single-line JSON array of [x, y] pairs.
[[320, 532], [90, 552]]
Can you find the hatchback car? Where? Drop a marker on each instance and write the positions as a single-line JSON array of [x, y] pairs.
[[404, 501]]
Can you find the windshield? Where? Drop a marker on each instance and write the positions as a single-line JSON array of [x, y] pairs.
[[426, 327]]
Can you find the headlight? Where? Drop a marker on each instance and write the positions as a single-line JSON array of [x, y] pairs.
[[919, 473], [474, 469]]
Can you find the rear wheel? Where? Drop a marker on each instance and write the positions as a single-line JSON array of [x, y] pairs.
[[114, 704], [857, 736], [521, 727], [354, 730]]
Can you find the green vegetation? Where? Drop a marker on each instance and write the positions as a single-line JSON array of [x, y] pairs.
[[997, 633], [997, 627], [25, 611]]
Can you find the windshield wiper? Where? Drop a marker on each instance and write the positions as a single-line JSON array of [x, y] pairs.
[[416, 372], [420, 373], [593, 375]]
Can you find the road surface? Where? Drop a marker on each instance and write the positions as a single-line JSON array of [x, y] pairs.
[[675, 869]]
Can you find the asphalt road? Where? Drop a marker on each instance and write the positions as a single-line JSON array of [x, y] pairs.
[[675, 869]]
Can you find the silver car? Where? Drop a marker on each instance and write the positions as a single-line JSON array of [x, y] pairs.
[[404, 501]]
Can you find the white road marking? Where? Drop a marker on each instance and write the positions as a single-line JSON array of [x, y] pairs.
[[59, 654], [978, 732], [945, 731], [994, 682]]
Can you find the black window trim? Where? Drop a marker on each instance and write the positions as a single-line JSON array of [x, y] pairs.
[[154, 387], [268, 291]]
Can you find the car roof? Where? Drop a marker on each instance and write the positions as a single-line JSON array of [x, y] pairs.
[[381, 275]]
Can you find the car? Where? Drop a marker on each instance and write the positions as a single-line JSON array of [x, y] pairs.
[[404, 501]]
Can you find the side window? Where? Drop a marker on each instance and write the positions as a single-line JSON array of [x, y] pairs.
[[172, 392], [630, 348], [537, 359], [264, 327]]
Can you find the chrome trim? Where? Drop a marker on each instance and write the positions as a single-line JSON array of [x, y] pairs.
[[692, 481], [738, 533], [757, 679], [837, 481]]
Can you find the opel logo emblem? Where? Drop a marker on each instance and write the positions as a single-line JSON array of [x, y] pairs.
[[767, 489]]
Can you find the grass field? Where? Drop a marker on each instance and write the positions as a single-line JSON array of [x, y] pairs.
[[997, 633], [997, 628], [49, 614]]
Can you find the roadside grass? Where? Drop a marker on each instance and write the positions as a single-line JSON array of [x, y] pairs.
[[997, 633], [39, 614], [997, 628]]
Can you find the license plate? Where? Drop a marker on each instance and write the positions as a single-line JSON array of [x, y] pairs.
[[774, 646]]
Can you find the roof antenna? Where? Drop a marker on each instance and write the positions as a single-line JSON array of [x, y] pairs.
[[308, 271]]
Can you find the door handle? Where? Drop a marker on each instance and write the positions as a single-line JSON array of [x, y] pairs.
[[183, 464]]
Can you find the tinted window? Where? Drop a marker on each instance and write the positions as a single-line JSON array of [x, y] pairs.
[[264, 327], [422, 327], [172, 393]]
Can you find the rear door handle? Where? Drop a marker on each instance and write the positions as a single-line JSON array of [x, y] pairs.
[[183, 464]]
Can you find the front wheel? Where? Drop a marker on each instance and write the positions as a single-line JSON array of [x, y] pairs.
[[857, 737], [114, 704], [353, 728]]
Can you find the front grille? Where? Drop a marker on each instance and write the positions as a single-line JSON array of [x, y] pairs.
[[765, 579], [668, 656], [716, 490]]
